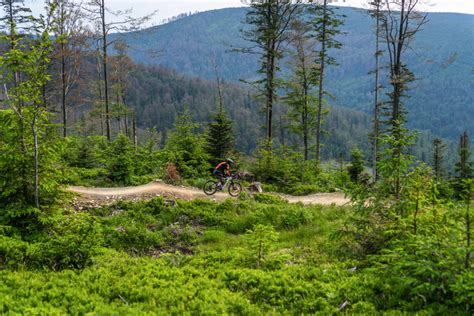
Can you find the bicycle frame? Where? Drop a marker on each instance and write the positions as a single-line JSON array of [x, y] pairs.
[[228, 180]]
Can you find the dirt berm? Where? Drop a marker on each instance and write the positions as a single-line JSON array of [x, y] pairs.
[[156, 188]]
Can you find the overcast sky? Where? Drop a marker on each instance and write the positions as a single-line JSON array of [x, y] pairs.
[[169, 8]]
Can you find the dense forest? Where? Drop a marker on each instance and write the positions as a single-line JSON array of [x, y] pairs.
[[302, 191]]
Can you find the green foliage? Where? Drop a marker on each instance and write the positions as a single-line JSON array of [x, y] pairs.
[[357, 166], [261, 239], [93, 161], [285, 170], [70, 242], [120, 164], [29, 178], [220, 137], [205, 253], [186, 149]]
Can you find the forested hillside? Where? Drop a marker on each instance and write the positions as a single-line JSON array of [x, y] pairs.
[[441, 57], [307, 206], [158, 95]]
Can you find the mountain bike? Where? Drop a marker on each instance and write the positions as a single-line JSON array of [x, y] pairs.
[[233, 187]]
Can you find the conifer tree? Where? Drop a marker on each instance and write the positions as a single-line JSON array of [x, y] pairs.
[[269, 21], [464, 167], [464, 187], [401, 21], [24, 153], [185, 147], [220, 137], [357, 166], [326, 26], [376, 14], [300, 97], [98, 13]]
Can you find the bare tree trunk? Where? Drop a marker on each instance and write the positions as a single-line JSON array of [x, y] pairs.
[[321, 87], [376, 132], [134, 127], [104, 56], [127, 131], [468, 232], [36, 160], [63, 89], [270, 91]]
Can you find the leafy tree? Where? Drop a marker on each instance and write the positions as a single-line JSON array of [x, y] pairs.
[[121, 68]]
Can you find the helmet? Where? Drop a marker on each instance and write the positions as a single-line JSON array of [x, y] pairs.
[[230, 161]]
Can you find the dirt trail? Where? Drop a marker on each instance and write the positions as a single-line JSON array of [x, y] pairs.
[[156, 188]]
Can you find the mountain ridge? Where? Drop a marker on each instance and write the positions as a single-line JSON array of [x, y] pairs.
[[441, 60]]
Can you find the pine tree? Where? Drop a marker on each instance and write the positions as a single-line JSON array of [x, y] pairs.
[[28, 152], [357, 166], [464, 167], [220, 137], [401, 22], [376, 14], [185, 147], [326, 26], [300, 96], [269, 21]]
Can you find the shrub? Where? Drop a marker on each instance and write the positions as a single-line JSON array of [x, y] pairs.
[[71, 243], [304, 189], [269, 199], [261, 239]]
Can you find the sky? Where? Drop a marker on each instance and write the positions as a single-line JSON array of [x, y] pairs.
[[170, 8]]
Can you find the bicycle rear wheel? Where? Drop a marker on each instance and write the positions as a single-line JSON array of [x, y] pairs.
[[235, 189], [210, 187]]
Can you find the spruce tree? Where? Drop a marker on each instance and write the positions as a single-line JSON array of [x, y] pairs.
[[185, 147], [220, 137], [300, 96], [269, 22], [464, 167], [401, 21], [326, 26]]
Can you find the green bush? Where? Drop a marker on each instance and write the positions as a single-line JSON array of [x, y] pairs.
[[71, 243], [212, 236], [266, 198], [304, 189]]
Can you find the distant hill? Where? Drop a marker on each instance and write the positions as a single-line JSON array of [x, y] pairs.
[[158, 95], [442, 59]]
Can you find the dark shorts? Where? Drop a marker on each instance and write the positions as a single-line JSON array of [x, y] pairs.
[[219, 174]]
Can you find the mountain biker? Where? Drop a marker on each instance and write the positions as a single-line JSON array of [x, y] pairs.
[[222, 170]]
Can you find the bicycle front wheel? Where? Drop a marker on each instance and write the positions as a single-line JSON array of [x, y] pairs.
[[235, 189], [210, 187]]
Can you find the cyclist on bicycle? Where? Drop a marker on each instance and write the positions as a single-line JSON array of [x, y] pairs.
[[222, 170]]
